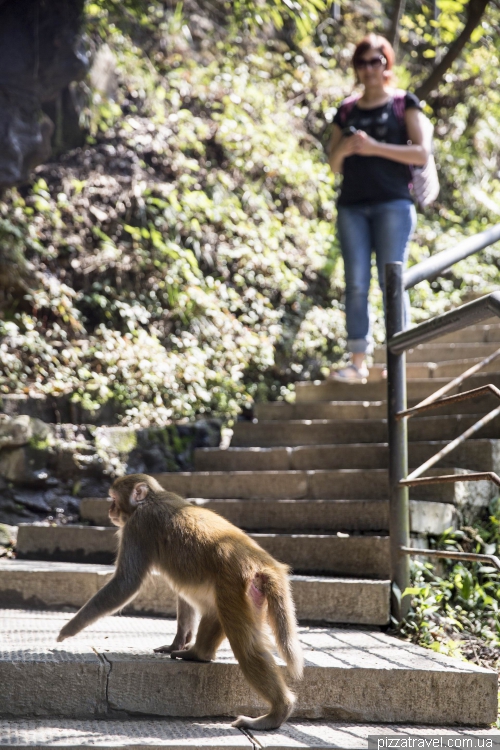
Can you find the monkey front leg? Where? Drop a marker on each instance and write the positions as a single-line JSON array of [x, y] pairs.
[[186, 620], [112, 597]]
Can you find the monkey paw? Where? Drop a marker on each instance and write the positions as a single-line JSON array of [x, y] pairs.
[[63, 635], [168, 649], [188, 654], [262, 722]]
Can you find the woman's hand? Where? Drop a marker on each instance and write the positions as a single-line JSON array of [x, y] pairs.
[[346, 146], [363, 144]]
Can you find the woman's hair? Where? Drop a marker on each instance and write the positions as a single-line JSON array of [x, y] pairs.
[[378, 43]]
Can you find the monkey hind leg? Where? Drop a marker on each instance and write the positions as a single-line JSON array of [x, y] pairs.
[[281, 613], [264, 675], [208, 639], [242, 624], [272, 720]]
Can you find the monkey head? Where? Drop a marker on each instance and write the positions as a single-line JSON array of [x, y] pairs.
[[127, 493]]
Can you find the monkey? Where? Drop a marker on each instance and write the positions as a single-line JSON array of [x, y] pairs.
[[218, 573]]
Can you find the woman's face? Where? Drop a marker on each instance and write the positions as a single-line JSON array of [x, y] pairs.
[[370, 68]]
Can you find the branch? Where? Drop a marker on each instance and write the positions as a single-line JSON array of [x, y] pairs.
[[475, 10]]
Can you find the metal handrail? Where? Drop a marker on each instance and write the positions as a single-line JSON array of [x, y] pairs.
[[398, 341], [475, 556], [430, 403], [433, 266], [436, 399], [461, 317]]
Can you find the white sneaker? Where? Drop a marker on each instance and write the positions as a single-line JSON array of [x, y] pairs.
[[350, 374]]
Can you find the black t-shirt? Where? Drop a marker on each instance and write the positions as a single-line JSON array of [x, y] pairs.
[[373, 179]]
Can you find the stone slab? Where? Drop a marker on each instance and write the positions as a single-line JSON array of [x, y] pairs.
[[171, 734], [326, 553], [444, 352], [455, 368], [243, 459], [323, 735], [341, 484], [361, 409], [481, 454], [94, 544], [55, 585], [350, 676], [265, 484], [300, 433], [473, 335], [377, 391], [366, 556], [281, 410], [306, 515], [177, 734], [39, 584]]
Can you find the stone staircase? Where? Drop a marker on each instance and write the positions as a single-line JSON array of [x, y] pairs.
[[308, 481]]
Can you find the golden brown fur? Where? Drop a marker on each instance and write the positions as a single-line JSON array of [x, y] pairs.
[[217, 571]]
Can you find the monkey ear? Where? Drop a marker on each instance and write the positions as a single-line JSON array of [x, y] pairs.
[[139, 494]]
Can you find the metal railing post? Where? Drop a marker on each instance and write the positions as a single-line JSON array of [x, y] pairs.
[[399, 517]]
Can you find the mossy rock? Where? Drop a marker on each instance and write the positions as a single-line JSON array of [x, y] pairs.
[[8, 534], [120, 440]]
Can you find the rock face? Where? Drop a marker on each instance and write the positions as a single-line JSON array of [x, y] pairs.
[[40, 54], [43, 466]]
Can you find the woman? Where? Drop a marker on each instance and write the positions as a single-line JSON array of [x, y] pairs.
[[373, 147]]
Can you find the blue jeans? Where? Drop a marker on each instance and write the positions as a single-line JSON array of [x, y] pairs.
[[381, 227]]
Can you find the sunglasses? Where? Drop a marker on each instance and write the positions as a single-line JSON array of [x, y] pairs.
[[375, 62]]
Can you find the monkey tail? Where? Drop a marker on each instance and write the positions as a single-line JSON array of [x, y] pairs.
[[281, 614]]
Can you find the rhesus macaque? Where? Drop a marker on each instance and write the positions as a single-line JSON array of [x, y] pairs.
[[217, 571]]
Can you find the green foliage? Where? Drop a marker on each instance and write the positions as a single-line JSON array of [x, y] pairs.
[[453, 612], [184, 261]]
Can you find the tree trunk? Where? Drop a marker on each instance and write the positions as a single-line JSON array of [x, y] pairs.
[[475, 10], [393, 37]]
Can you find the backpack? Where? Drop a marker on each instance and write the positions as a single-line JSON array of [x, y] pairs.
[[425, 181]]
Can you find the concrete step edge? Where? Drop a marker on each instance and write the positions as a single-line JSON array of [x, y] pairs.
[[426, 516], [335, 554], [111, 667], [56, 585]]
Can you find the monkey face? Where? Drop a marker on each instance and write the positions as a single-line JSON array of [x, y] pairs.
[[126, 494], [117, 515]]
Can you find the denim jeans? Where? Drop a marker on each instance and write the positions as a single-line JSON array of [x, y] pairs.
[[381, 227]]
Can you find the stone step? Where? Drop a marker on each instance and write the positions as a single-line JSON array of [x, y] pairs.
[[427, 369], [473, 334], [282, 411], [329, 390], [314, 432], [448, 369], [56, 585], [483, 455], [443, 352], [340, 484], [306, 515], [111, 668], [326, 554], [177, 734]]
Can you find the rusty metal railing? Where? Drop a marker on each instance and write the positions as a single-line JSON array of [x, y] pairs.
[[398, 342]]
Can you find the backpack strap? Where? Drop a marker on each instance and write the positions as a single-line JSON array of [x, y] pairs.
[[399, 105], [346, 107]]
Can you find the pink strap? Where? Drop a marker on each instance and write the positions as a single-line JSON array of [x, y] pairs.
[[347, 106], [399, 105]]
